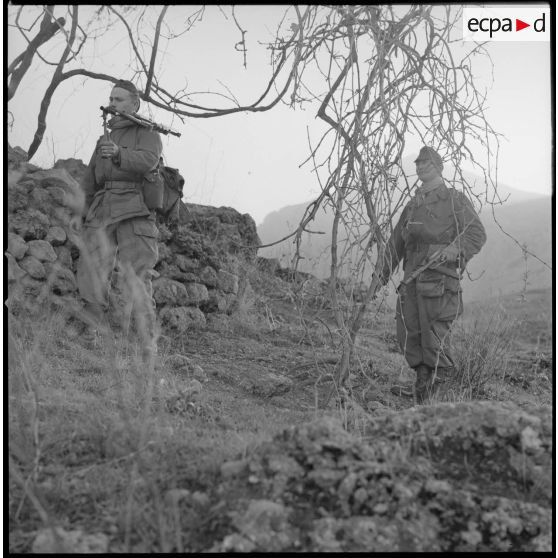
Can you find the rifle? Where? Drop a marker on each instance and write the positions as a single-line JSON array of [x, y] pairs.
[[139, 120], [432, 260]]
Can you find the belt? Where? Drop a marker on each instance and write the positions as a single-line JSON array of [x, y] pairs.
[[119, 184]]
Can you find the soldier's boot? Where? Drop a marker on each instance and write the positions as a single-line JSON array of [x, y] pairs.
[[424, 384], [403, 390]]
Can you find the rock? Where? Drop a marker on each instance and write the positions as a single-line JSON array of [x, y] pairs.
[[75, 542], [268, 265], [42, 250], [15, 273], [61, 279], [182, 318], [40, 199], [186, 264], [61, 215], [17, 247], [227, 282], [267, 384], [73, 196], [75, 167], [33, 267], [17, 197], [265, 523], [165, 253], [32, 288], [217, 302], [63, 256], [208, 276], [170, 292], [16, 155], [29, 224], [56, 236], [197, 293]]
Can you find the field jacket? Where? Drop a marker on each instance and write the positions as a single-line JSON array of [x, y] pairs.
[[428, 222], [113, 187]]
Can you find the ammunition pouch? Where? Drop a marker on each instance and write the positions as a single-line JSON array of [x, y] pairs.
[[152, 189]]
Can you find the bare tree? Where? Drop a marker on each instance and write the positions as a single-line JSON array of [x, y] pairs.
[[137, 22], [385, 73]]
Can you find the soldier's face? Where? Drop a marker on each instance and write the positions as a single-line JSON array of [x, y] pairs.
[[122, 100], [427, 170]]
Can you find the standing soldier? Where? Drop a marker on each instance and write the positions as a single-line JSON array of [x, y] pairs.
[[436, 235], [118, 225]]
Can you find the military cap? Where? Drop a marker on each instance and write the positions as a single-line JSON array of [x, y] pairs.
[[128, 85], [429, 154]]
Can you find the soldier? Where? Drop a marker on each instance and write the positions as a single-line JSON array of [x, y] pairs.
[[118, 226], [439, 220]]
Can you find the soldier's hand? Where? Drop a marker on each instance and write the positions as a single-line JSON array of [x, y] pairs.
[[108, 149], [449, 254]]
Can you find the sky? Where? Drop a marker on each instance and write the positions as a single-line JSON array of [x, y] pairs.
[[251, 162]]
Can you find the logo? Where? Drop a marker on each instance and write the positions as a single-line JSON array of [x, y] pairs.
[[506, 24]]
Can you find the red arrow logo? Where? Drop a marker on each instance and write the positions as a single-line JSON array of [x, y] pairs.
[[519, 25]]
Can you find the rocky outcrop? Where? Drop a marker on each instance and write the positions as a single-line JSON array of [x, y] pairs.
[[456, 477], [202, 260]]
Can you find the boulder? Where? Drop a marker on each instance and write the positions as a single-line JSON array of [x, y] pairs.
[[18, 198], [227, 282], [197, 293], [30, 224], [433, 478], [42, 250], [184, 263], [64, 256], [17, 247], [62, 279], [15, 273], [74, 167], [33, 267], [208, 276], [217, 302], [182, 318], [40, 199], [56, 236], [169, 292]]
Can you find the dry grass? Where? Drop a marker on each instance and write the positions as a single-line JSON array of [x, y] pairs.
[[98, 437], [483, 352]]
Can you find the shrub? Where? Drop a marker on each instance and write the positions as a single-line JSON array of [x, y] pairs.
[[482, 351]]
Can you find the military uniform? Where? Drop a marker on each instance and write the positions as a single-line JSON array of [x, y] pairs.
[[429, 303], [118, 224]]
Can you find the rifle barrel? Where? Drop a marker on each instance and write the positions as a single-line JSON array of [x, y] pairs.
[[140, 121]]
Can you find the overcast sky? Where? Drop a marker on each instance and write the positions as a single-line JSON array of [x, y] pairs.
[[251, 161]]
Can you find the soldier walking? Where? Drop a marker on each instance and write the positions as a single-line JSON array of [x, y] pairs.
[[440, 228], [119, 228]]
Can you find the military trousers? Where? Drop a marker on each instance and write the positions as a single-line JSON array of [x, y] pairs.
[[128, 247], [426, 310]]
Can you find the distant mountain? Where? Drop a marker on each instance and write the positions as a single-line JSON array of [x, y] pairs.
[[500, 268]]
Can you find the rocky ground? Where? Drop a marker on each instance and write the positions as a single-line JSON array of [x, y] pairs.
[[225, 444]]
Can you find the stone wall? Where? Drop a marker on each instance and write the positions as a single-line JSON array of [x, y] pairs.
[[202, 260]]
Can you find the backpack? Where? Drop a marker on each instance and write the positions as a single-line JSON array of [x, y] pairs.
[[173, 183], [162, 191]]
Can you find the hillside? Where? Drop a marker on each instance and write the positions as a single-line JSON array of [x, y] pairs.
[[224, 442], [500, 268]]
